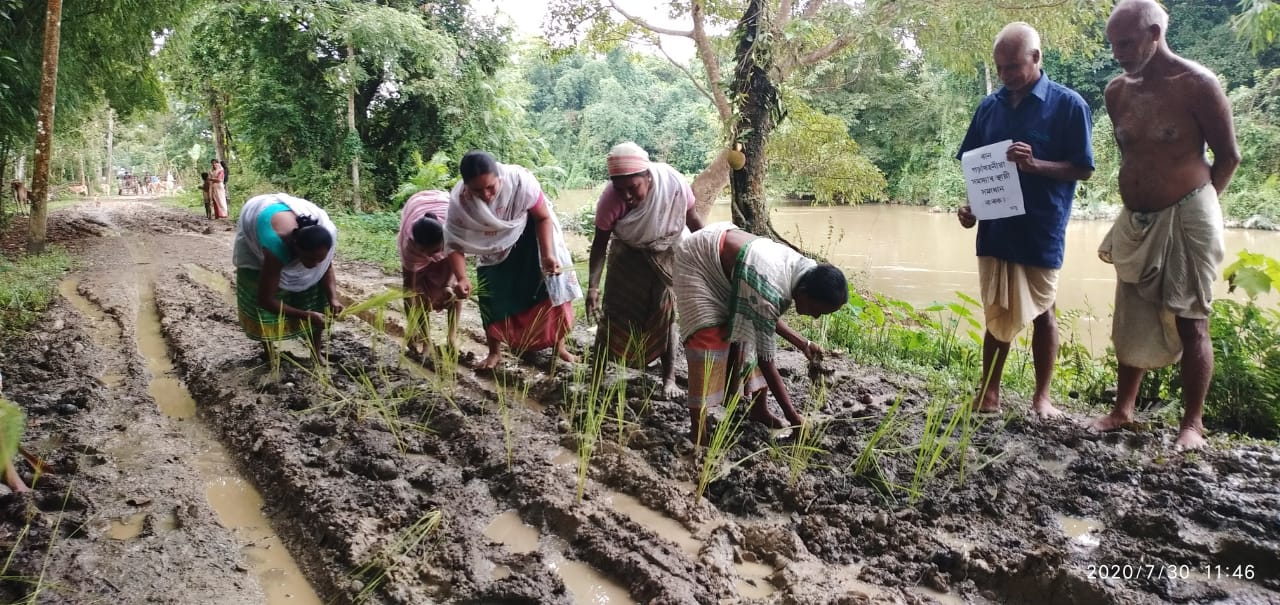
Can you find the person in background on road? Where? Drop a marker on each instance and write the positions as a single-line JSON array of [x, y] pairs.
[[283, 254], [731, 291], [527, 282], [206, 194], [430, 274], [1019, 257], [1167, 244], [217, 177], [640, 217]]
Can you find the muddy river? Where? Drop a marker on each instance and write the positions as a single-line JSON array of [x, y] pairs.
[[910, 253]]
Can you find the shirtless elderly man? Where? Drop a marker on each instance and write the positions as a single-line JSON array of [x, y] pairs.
[[1166, 244]]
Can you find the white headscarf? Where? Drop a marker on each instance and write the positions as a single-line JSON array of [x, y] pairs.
[[658, 222]]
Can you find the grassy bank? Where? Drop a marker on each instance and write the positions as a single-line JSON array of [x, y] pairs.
[[27, 285]]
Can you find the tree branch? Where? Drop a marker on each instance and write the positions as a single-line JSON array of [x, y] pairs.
[[696, 84], [649, 26], [835, 46], [784, 16], [710, 63]]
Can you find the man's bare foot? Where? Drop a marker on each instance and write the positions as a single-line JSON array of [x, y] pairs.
[[491, 361], [1190, 438], [671, 392], [1044, 409], [987, 403], [1110, 422]]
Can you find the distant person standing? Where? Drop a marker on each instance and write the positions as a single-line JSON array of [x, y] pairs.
[[1167, 243], [1019, 256], [206, 194], [217, 192]]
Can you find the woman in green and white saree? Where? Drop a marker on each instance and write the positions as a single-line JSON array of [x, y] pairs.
[[283, 255]]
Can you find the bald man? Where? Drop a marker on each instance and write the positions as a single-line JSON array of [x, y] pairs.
[[1019, 257], [1166, 244]]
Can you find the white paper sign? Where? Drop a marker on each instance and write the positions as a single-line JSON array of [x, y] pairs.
[[992, 182]]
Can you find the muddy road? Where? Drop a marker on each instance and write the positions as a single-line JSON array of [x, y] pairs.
[[185, 468]]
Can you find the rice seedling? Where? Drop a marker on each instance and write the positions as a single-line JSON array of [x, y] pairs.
[[400, 551], [727, 432]]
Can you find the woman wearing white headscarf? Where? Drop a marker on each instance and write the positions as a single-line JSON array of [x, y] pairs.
[[283, 255], [499, 214], [643, 211]]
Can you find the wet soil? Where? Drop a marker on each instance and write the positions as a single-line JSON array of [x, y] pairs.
[[187, 469]]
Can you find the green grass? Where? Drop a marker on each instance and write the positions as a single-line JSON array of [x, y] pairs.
[[27, 286]]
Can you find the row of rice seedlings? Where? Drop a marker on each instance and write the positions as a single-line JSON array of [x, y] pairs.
[[808, 436], [373, 574], [504, 394], [589, 399]]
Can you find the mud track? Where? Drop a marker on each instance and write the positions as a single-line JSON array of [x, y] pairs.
[[147, 502]]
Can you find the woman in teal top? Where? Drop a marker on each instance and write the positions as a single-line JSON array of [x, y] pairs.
[[284, 269]]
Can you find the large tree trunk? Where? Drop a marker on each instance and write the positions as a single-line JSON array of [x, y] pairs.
[[44, 127], [351, 127], [758, 109]]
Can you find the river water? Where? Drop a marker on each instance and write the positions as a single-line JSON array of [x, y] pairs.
[[922, 257]]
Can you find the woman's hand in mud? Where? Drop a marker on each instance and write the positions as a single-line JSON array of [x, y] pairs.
[[336, 305], [814, 352], [967, 218]]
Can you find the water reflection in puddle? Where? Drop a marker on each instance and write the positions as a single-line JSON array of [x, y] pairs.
[[126, 528], [1080, 531]]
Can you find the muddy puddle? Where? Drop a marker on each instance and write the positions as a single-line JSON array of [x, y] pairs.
[[213, 281], [586, 584], [235, 501], [104, 331]]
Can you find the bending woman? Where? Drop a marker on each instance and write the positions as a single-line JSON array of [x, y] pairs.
[[430, 274], [527, 285], [284, 269]]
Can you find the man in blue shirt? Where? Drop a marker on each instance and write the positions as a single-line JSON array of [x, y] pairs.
[[1019, 257]]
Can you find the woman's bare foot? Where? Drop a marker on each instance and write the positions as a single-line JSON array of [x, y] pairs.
[[761, 414], [988, 402], [491, 361], [1111, 422], [670, 391], [1191, 437], [1043, 408], [563, 353]]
